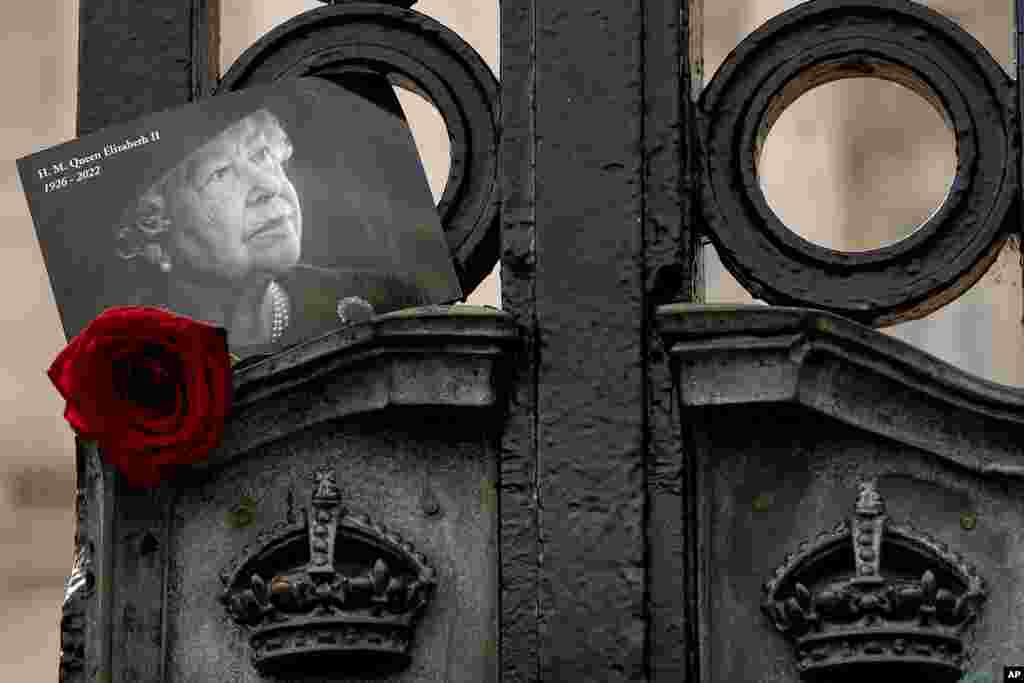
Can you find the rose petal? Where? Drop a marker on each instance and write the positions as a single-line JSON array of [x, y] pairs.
[[60, 371], [154, 423], [169, 353], [92, 394]]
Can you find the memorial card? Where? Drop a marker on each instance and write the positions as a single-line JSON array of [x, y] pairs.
[[278, 212]]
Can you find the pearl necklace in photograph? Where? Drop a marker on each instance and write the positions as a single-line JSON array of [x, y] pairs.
[[281, 318]]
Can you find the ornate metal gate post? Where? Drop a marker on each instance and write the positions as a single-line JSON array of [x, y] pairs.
[[347, 526], [857, 508], [598, 192], [686, 492], [597, 189]]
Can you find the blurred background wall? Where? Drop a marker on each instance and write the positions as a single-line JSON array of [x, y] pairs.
[[851, 165]]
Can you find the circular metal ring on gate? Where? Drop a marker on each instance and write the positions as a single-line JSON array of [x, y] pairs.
[[828, 40], [417, 53]]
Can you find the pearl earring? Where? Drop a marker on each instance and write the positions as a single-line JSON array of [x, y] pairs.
[[157, 256]]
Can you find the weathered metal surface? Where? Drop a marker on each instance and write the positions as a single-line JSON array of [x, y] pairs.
[[826, 405], [85, 652], [406, 409], [138, 560], [756, 354], [136, 58], [585, 190], [671, 263], [351, 39], [421, 357], [870, 595], [824, 41], [519, 529], [336, 592], [589, 291], [596, 179]]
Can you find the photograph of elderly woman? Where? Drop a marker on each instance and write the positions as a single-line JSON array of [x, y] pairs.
[[279, 213]]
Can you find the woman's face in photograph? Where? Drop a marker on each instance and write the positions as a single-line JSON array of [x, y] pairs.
[[235, 213]]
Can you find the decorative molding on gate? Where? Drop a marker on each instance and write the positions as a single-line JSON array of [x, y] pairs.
[[353, 38], [343, 592], [736, 355], [431, 357], [828, 40], [870, 593], [438, 371]]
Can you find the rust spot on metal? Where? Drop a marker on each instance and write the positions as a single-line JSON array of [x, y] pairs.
[[243, 514], [968, 520]]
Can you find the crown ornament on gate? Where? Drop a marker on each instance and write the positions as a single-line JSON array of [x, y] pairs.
[[871, 596], [341, 592]]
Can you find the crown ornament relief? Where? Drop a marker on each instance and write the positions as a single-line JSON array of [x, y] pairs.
[[341, 592], [871, 596]]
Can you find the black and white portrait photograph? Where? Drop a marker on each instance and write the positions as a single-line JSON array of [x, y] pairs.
[[279, 213]]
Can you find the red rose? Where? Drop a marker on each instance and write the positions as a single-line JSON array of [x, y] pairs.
[[150, 387]]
